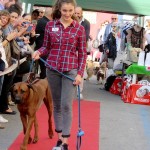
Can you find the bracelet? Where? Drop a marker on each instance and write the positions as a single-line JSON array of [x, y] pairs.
[[7, 40]]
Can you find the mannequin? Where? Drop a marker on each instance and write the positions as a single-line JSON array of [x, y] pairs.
[[136, 36]]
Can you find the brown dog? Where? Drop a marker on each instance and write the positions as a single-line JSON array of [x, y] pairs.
[[90, 68], [28, 98]]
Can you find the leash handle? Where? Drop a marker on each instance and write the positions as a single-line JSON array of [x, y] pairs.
[[30, 72]]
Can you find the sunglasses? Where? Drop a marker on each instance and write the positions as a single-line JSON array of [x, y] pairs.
[[114, 18]]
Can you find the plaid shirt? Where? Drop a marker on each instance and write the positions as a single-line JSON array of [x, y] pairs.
[[66, 48]]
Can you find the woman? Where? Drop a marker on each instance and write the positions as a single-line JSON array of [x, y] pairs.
[[65, 44], [30, 34], [111, 46], [4, 21]]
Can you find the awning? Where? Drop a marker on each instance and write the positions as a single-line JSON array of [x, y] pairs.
[[140, 7]]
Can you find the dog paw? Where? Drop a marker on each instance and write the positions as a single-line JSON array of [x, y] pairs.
[[50, 133], [29, 140], [23, 147]]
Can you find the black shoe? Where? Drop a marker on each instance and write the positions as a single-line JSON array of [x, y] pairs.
[[59, 143], [9, 113], [64, 147]]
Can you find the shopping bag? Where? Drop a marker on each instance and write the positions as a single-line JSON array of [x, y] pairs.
[[140, 94], [116, 86], [143, 82], [125, 94]]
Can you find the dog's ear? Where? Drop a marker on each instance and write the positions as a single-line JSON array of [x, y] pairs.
[[11, 91], [11, 88]]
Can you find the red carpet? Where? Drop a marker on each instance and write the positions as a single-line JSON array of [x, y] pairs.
[[90, 117]]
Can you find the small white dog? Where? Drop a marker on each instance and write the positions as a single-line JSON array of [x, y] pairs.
[[100, 72]]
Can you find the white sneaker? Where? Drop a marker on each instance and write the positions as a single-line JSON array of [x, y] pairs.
[[56, 148], [2, 119], [81, 96]]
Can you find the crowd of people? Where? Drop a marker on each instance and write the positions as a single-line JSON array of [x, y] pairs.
[[60, 37], [17, 34]]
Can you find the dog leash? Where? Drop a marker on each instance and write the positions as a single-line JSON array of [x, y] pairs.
[[80, 131], [30, 72]]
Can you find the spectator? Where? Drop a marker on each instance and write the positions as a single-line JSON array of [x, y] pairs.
[[4, 21], [111, 46], [108, 30], [114, 19], [100, 37], [5, 4], [2, 68], [35, 15], [86, 24], [41, 12], [15, 12], [28, 37], [40, 29], [27, 18], [30, 34]]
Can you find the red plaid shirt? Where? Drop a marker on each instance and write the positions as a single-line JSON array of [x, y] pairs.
[[66, 48]]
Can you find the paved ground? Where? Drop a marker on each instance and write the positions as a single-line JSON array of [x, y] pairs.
[[122, 126]]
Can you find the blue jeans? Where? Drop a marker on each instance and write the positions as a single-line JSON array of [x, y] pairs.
[[63, 93]]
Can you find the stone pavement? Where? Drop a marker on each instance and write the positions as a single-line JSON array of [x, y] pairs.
[[122, 126]]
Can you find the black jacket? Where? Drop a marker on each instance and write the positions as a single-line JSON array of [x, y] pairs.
[[86, 25], [112, 46], [40, 29]]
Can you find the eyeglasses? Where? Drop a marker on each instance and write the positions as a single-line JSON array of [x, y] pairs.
[[114, 18]]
